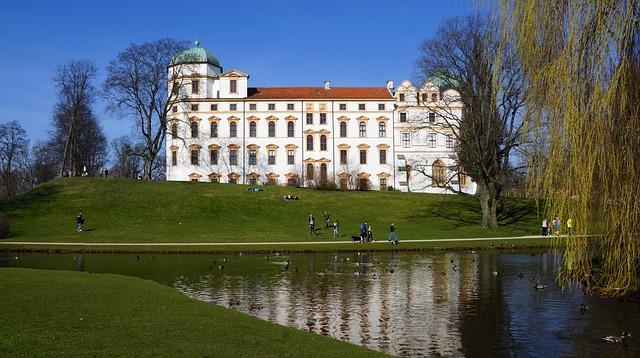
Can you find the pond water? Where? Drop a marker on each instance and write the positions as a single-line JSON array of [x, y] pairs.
[[406, 304]]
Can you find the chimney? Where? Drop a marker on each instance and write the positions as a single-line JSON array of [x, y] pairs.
[[327, 85], [390, 85]]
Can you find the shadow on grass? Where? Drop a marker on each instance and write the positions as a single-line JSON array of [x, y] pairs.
[[42, 194], [456, 211], [509, 212]]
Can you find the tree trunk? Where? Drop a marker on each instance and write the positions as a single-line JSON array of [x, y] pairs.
[[489, 203], [148, 166]]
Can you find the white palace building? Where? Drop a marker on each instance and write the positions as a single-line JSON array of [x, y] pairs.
[[224, 131]]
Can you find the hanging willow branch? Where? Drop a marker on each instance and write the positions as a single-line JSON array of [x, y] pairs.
[[582, 63]]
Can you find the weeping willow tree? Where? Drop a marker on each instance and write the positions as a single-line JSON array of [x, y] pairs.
[[582, 63]]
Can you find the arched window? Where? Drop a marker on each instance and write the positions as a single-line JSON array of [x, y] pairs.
[[290, 129], [309, 171], [343, 129], [438, 173], [194, 129], [252, 129], [323, 173], [323, 142], [272, 129], [195, 156], [382, 130], [174, 130], [214, 129], [309, 142], [363, 129], [233, 129]]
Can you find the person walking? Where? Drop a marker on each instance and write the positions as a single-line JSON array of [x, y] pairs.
[[545, 227], [369, 233], [556, 226], [326, 218], [393, 237], [570, 226], [336, 228], [79, 222], [363, 231], [312, 225]]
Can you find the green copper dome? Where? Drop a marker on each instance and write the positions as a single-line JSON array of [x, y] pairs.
[[443, 82], [195, 54]]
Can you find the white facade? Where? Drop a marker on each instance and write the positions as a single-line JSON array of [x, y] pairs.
[[224, 131]]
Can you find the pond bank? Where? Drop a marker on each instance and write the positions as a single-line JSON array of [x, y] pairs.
[[75, 313], [285, 247]]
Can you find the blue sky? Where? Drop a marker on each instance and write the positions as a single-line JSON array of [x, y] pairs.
[[279, 43]]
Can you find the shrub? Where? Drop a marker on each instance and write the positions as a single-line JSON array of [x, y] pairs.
[[5, 230], [329, 185]]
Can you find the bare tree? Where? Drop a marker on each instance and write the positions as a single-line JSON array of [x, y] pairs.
[[125, 163], [36, 167], [75, 97], [13, 144], [137, 85], [466, 55], [86, 147]]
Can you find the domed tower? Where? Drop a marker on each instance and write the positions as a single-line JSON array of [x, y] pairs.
[[200, 66]]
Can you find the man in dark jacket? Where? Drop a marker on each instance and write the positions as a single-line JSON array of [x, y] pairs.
[[79, 222]]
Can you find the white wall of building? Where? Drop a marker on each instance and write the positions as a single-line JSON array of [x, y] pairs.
[[215, 102]]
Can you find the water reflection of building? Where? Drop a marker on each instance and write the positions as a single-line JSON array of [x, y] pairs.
[[416, 309]]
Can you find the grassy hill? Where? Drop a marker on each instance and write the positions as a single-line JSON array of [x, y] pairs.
[[140, 211], [60, 313]]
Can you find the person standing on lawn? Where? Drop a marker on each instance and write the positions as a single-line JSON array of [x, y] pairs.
[[79, 222], [312, 225], [393, 236], [336, 228], [326, 217]]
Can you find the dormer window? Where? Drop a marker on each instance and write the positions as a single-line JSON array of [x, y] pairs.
[[233, 86], [195, 86], [401, 97], [434, 97]]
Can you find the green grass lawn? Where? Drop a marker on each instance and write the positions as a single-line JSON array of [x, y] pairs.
[[62, 313], [141, 211]]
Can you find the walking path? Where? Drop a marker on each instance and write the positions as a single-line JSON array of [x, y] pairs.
[[261, 243]]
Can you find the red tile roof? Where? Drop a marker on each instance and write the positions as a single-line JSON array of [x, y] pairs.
[[319, 93]]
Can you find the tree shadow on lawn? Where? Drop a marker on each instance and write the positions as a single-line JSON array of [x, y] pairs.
[[471, 214], [21, 202]]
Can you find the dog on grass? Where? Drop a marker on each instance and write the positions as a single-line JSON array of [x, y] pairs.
[[356, 238]]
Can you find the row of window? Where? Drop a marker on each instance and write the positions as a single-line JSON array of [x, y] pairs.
[[363, 183], [424, 97], [214, 157], [431, 117], [194, 107], [271, 129], [195, 86], [405, 139]]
